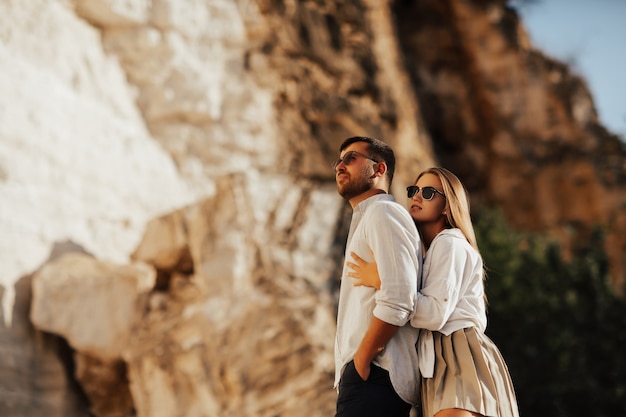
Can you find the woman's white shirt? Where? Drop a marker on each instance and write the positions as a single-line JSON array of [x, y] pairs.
[[451, 295]]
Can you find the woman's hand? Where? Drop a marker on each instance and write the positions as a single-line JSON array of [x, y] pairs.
[[365, 273]]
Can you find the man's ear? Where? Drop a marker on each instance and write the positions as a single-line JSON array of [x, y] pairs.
[[380, 169]]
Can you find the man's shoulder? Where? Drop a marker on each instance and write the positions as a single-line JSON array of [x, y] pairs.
[[389, 205], [387, 209]]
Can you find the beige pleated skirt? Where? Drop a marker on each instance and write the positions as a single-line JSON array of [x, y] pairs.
[[470, 374]]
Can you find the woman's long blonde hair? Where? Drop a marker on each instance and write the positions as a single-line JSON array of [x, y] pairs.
[[457, 204]]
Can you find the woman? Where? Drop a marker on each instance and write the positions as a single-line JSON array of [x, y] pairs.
[[463, 373]]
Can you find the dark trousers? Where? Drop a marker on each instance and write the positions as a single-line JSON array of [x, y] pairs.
[[372, 398]]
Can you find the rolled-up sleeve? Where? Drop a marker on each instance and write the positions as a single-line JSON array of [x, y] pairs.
[[440, 295], [392, 236], [452, 292]]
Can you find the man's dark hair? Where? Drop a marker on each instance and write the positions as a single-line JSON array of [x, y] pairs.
[[379, 151]]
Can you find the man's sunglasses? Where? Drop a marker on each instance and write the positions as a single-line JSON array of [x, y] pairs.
[[349, 158], [427, 192]]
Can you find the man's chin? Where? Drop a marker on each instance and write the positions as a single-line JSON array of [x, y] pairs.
[[351, 190], [343, 192], [347, 193]]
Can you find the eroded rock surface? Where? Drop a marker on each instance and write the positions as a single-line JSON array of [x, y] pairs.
[[166, 168]]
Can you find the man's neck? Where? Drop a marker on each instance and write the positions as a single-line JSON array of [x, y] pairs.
[[364, 196]]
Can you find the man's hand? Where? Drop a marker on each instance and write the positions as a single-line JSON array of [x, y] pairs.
[[374, 341], [362, 366]]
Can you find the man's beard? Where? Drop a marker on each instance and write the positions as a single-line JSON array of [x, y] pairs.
[[355, 186]]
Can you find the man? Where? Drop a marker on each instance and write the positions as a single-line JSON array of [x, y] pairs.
[[376, 369]]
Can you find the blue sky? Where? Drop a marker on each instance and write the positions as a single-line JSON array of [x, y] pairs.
[[591, 37]]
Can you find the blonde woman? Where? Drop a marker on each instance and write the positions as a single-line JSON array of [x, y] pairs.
[[462, 371]]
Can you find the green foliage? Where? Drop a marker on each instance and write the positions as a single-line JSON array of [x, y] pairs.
[[558, 324]]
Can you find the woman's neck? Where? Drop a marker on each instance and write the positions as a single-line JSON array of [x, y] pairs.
[[429, 231]]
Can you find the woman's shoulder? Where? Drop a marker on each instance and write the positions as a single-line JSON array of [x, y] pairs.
[[451, 239], [452, 244], [453, 235]]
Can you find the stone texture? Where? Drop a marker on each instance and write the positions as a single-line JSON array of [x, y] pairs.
[[105, 384], [79, 162], [195, 138], [518, 127], [237, 320], [92, 304], [35, 367]]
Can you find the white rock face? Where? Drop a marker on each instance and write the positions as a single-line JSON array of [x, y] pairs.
[[77, 160], [100, 326], [193, 137]]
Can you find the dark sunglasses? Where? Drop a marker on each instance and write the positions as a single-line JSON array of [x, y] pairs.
[[349, 158], [427, 192]]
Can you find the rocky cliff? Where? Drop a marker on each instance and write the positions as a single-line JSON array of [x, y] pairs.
[[519, 128], [171, 232]]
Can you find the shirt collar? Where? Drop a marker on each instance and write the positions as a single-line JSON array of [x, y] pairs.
[[363, 205]]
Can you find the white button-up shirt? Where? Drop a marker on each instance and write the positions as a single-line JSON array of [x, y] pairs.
[[385, 227], [452, 294]]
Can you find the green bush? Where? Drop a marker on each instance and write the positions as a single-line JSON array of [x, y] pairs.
[[559, 325]]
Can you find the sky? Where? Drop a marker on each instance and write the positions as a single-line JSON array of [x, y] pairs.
[[590, 36]]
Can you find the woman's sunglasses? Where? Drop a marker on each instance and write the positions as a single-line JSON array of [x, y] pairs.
[[427, 192]]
